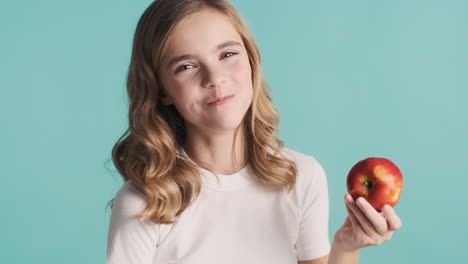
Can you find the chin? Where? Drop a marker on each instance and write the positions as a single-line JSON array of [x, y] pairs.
[[227, 124]]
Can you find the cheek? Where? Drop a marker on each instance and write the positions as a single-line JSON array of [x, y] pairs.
[[244, 73], [186, 98], [182, 91]]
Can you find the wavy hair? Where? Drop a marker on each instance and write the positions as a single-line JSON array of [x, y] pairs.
[[146, 153]]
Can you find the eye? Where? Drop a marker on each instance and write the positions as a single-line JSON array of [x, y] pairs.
[[229, 52], [181, 68]]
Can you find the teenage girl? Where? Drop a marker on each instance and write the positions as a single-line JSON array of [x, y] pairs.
[[207, 180]]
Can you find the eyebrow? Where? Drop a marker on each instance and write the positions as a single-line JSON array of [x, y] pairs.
[[188, 56]]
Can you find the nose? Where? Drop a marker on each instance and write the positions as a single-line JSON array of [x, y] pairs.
[[213, 76]]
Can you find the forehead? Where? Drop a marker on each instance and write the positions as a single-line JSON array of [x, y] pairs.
[[200, 33]]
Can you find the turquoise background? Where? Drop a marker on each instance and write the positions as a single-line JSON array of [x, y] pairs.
[[351, 79]]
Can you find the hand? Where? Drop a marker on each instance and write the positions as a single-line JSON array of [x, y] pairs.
[[364, 226]]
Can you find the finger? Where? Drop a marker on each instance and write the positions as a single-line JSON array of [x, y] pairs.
[[347, 222], [394, 222], [352, 218], [378, 221], [366, 225]]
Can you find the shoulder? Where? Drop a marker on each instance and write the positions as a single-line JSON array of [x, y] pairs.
[[129, 193], [129, 201], [130, 240], [305, 163], [298, 156], [310, 171]]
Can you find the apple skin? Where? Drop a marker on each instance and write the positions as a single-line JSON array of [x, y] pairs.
[[378, 180]]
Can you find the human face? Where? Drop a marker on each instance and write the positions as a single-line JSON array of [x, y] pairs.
[[210, 70]]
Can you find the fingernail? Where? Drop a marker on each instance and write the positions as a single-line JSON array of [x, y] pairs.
[[349, 198]]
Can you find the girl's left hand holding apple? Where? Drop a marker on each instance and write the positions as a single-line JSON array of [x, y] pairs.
[[364, 226]]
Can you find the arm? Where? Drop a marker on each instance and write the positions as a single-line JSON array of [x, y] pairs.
[[130, 240], [363, 227], [313, 242], [338, 257], [335, 257], [322, 260]]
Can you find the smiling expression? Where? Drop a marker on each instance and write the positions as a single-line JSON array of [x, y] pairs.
[[206, 59]]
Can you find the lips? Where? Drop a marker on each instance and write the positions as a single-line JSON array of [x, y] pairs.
[[219, 99]]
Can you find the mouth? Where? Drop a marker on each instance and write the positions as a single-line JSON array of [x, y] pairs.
[[220, 100]]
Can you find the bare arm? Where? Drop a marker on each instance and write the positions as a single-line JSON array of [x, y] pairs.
[[342, 257], [322, 260], [335, 257], [362, 228]]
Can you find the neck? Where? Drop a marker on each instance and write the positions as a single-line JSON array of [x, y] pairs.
[[216, 150]]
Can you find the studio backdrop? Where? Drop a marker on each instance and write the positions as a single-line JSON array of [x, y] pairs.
[[351, 80]]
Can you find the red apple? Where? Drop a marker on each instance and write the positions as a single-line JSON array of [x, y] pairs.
[[378, 180]]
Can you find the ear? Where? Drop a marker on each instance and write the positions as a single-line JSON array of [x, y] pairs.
[[165, 98]]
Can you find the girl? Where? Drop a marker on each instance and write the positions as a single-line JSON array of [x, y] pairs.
[[207, 180]]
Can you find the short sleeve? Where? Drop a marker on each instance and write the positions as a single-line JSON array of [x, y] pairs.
[[130, 240], [313, 241]]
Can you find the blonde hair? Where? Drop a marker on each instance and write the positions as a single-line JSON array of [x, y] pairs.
[[147, 152]]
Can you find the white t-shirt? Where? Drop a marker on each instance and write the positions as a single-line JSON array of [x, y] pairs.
[[232, 221]]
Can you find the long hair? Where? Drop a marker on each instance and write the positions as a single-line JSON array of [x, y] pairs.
[[146, 153]]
